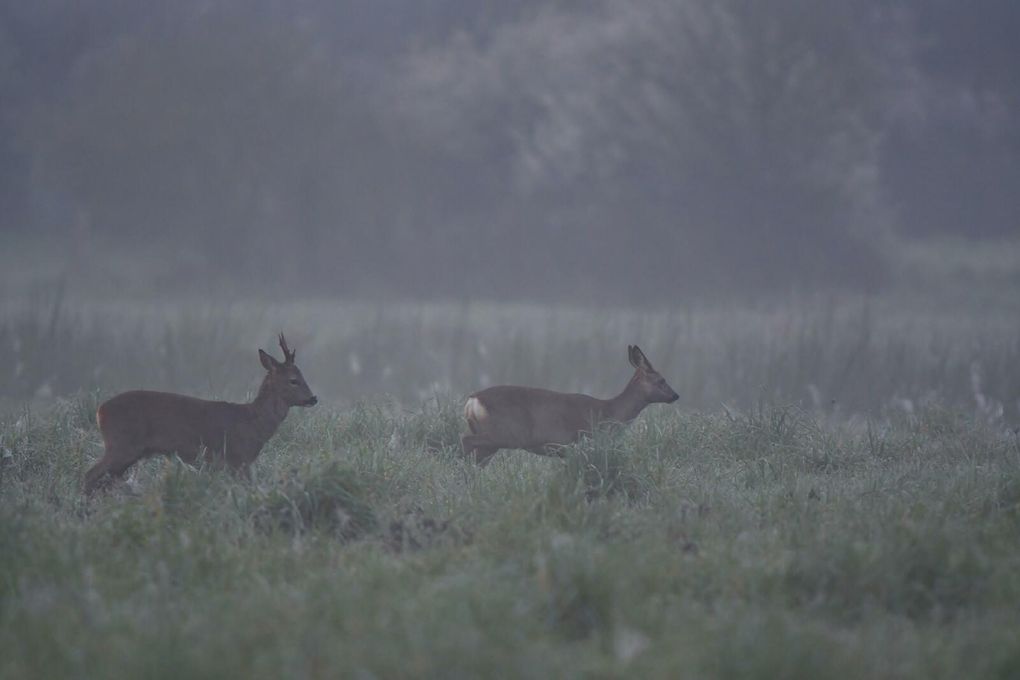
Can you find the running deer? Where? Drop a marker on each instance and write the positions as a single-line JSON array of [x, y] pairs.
[[542, 421], [140, 424]]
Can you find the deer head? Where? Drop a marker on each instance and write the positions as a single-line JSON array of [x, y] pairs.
[[285, 379], [653, 386]]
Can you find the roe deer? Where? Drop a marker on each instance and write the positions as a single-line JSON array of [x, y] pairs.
[[540, 421], [139, 424]]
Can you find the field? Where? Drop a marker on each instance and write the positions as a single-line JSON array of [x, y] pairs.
[[756, 545], [836, 494]]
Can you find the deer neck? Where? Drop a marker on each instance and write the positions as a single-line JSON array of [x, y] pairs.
[[269, 408], [626, 406]]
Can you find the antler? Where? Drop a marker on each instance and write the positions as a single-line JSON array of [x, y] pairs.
[[288, 354]]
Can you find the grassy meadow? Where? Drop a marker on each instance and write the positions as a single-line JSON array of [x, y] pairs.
[[836, 494], [757, 545]]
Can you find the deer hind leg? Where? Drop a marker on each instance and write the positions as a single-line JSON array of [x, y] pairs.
[[484, 453], [478, 448], [242, 472], [110, 467], [96, 477], [104, 473]]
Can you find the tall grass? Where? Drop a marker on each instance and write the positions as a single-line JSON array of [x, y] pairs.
[[838, 357], [837, 494], [755, 543]]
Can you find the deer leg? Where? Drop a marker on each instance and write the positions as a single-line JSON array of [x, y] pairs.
[[119, 456], [242, 472], [109, 468], [237, 460], [484, 453], [96, 476], [478, 448]]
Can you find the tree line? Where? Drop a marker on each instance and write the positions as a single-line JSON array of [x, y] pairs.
[[651, 147]]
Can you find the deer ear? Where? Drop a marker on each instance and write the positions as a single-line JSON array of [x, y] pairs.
[[268, 362], [638, 358]]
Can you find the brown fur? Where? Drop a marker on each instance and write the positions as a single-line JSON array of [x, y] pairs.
[[139, 424], [541, 421]]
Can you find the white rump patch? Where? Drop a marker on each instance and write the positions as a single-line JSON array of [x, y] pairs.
[[474, 410]]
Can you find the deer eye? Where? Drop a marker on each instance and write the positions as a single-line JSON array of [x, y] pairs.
[[294, 381]]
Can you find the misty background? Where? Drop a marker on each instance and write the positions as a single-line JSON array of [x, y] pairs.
[[650, 149], [798, 200]]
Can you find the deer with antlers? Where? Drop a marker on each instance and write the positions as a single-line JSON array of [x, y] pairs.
[[139, 424]]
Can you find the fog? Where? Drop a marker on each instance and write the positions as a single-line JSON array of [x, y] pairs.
[[803, 212], [632, 152]]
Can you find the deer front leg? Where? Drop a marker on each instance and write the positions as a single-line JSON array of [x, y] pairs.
[[239, 454], [239, 464]]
